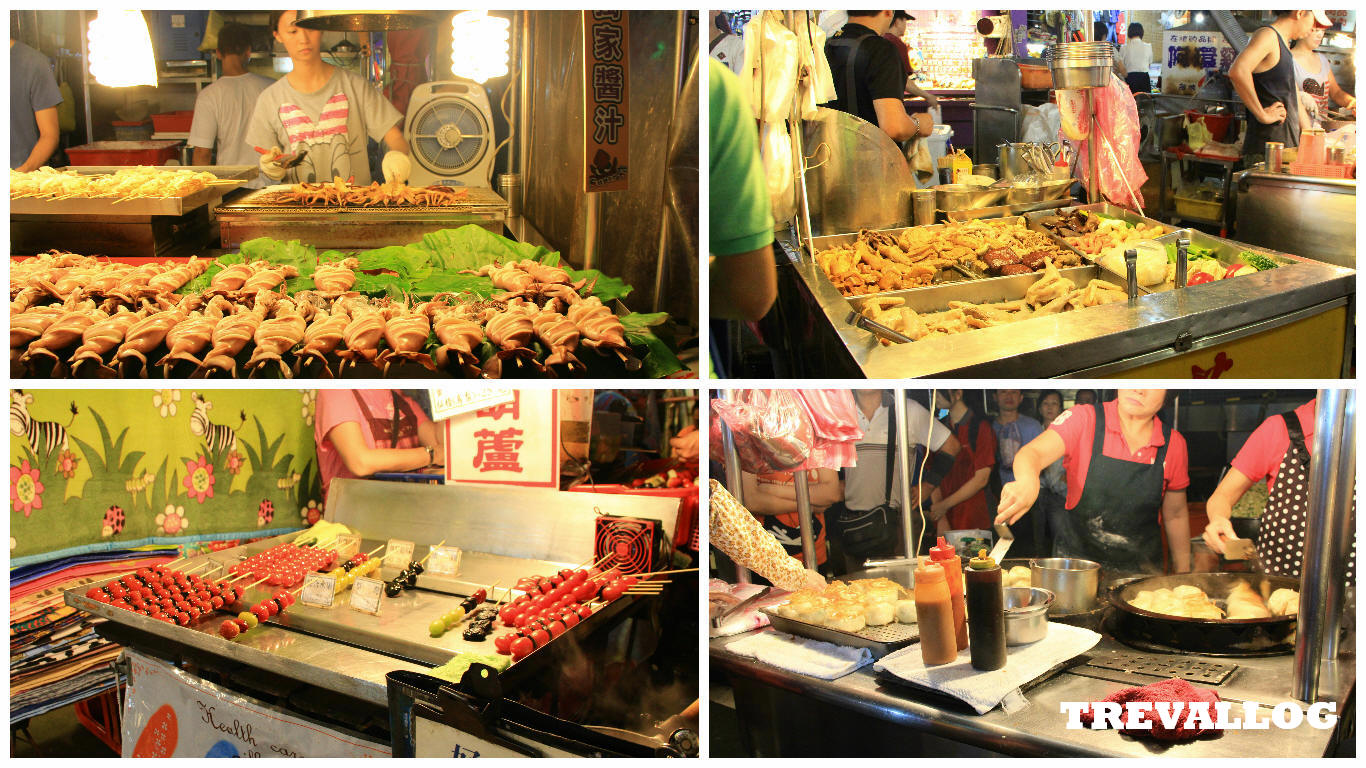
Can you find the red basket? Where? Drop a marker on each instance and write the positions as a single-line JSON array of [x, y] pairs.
[[1327, 170], [100, 715], [173, 122], [1217, 124], [124, 153]]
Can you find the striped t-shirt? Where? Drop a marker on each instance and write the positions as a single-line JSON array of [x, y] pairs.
[[332, 124]]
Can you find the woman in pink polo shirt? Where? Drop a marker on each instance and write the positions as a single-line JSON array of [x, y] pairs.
[[363, 431], [1126, 483], [1278, 451]]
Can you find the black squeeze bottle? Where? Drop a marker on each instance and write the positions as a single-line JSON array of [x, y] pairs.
[[986, 613]]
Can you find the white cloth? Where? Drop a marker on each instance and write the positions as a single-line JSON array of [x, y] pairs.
[[864, 483], [819, 85], [814, 658], [1136, 55], [730, 50], [221, 113], [984, 690], [832, 21]]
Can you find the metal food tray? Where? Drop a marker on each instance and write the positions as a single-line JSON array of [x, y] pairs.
[[261, 202], [961, 274], [399, 631], [880, 640], [106, 207], [1226, 251]]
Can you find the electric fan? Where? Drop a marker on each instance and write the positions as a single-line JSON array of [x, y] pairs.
[[634, 543], [450, 131]]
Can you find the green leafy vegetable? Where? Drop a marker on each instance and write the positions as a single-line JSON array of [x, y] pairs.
[[293, 253], [472, 246], [604, 287], [1257, 261], [659, 361]]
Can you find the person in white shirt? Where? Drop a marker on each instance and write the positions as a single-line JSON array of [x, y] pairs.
[[727, 47], [222, 110], [1135, 56], [863, 524]]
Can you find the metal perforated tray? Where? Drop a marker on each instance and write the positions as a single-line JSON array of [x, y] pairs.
[[881, 640]]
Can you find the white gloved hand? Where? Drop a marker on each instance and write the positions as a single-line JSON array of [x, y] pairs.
[[271, 165], [396, 167]]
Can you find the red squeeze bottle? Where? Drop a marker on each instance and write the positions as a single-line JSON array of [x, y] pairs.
[[944, 555], [934, 614]]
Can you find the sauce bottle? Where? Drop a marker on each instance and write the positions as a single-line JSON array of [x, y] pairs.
[[986, 613], [934, 613], [944, 555]]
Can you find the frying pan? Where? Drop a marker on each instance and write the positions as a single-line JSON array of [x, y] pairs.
[[1224, 636]]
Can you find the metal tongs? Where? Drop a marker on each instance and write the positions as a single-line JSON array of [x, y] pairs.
[[859, 320], [720, 619]]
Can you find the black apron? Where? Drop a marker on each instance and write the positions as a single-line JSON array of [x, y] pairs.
[[1115, 521], [1275, 84], [1280, 536], [388, 432]]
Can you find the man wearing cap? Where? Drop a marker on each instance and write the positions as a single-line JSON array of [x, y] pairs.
[[1264, 77], [869, 80], [896, 35]]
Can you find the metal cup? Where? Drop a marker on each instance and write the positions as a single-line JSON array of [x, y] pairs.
[[923, 206], [984, 169], [1273, 156], [510, 189], [1337, 155]]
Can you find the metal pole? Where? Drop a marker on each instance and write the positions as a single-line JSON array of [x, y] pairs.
[[86, 80], [1093, 191], [903, 466], [523, 100], [804, 518], [798, 22], [661, 251], [591, 220], [735, 483], [1327, 537]]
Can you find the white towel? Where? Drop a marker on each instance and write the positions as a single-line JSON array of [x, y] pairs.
[[984, 690], [801, 655]]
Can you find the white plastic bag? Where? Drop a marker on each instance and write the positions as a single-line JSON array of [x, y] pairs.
[[818, 86], [775, 147], [771, 67]]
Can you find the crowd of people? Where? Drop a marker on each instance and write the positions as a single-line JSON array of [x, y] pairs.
[[1098, 480], [320, 115]]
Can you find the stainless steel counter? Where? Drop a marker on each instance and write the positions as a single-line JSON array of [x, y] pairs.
[[1108, 340], [897, 720], [1308, 215]]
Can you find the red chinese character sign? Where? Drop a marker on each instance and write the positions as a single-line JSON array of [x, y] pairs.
[[512, 443], [607, 100]]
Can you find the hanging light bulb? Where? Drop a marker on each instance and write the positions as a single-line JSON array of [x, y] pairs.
[[121, 50], [479, 45]]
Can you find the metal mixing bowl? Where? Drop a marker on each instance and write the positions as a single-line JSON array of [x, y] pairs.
[[962, 197], [1026, 614]]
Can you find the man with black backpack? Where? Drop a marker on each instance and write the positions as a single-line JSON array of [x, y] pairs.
[[867, 523]]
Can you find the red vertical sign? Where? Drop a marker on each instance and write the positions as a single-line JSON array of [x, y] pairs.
[[606, 95]]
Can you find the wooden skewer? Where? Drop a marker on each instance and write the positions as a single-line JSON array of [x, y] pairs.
[[372, 552], [197, 567], [254, 583], [661, 573], [429, 552]]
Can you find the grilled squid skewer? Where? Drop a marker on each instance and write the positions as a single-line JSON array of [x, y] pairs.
[[28, 326], [511, 331], [321, 338], [276, 336], [406, 334], [562, 337], [361, 335], [459, 335], [101, 338], [188, 339], [336, 278], [231, 278], [62, 333], [144, 336], [230, 336], [601, 329]]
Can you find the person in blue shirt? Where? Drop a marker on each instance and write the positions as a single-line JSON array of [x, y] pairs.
[[1013, 431]]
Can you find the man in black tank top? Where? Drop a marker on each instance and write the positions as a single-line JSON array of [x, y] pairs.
[[869, 81], [1264, 77]]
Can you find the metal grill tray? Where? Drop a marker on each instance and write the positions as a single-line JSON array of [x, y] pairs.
[[880, 640], [1194, 670], [262, 202]]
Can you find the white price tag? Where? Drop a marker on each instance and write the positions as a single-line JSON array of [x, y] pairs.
[[366, 594], [444, 561], [319, 590], [398, 553], [451, 402], [347, 545]]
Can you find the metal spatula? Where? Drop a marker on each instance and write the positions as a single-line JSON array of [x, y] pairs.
[[1242, 549], [1004, 538]]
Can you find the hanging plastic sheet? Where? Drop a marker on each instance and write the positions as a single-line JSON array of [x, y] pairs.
[[771, 429], [1118, 129], [817, 85], [770, 78]]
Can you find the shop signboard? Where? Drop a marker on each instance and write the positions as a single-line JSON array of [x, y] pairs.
[[1187, 57], [451, 402], [607, 100], [169, 713], [516, 443]]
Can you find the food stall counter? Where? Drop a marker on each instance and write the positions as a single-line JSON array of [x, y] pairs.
[[787, 714], [1291, 322]]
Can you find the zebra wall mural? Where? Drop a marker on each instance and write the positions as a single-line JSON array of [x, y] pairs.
[[93, 470]]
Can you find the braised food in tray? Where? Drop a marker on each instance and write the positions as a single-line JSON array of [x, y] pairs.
[[879, 261], [1051, 294]]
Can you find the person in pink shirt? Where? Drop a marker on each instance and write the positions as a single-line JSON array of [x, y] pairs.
[[1278, 451], [360, 432], [1127, 474]]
